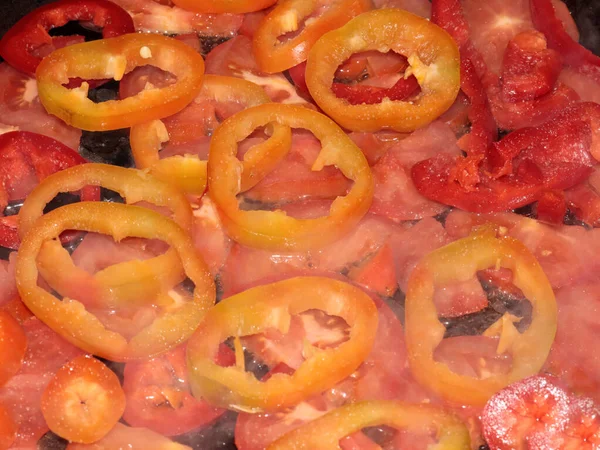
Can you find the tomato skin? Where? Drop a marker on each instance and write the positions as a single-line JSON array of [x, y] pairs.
[[13, 344], [8, 429], [159, 398], [84, 400]]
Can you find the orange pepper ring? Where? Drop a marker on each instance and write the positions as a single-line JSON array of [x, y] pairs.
[[112, 58], [274, 229], [121, 282], [188, 172], [459, 261], [224, 6], [326, 431], [69, 319], [433, 57], [272, 305], [274, 56]]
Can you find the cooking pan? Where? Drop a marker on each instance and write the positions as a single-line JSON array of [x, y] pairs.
[[113, 147]]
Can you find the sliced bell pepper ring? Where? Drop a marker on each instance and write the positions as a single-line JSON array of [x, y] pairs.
[[271, 306], [224, 6], [126, 282], [31, 32], [459, 261], [274, 229], [46, 156], [112, 58], [69, 317], [432, 54], [325, 432], [188, 172], [274, 55]]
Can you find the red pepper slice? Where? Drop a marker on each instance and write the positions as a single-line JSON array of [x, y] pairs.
[[21, 151], [544, 18], [31, 32]]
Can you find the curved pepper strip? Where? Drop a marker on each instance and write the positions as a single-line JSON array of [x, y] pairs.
[[46, 156], [273, 55], [70, 319], [271, 306], [545, 20], [325, 432], [274, 229], [432, 54], [459, 261], [224, 6], [31, 31], [112, 58], [122, 283], [187, 172]]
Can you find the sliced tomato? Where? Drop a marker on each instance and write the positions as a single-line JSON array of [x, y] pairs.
[[585, 85], [122, 436], [235, 58], [159, 398], [583, 200], [163, 17], [494, 23], [411, 242], [460, 298], [419, 7], [246, 266], [570, 358], [8, 286], [293, 179], [13, 344], [21, 395], [539, 413], [396, 197], [8, 428], [377, 273], [83, 401], [20, 109]]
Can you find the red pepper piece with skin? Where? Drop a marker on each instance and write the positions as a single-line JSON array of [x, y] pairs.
[[31, 32], [530, 69], [545, 20], [25, 157], [552, 207]]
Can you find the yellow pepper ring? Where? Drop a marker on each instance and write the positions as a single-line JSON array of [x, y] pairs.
[[112, 58], [459, 261], [127, 281], [432, 54], [271, 306], [274, 229], [325, 432], [70, 319], [188, 172]]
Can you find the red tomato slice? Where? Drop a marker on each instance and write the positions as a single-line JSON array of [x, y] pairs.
[[377, 273], [493, 23], [8, 428], [538, 413], [159, 397], [8, 286], [293, 179], [165, 18], [21, 395], [396, 196], [235, 58], [83, 401], [124, 437], [13, 344], [20, 109]]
